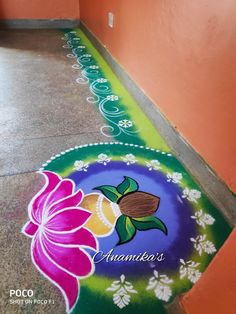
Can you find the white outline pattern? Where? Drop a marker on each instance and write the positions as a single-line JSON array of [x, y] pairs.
[[160, 284], [122, 290], [101, 93]]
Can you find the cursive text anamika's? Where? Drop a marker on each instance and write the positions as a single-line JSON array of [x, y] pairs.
[[141, 257]]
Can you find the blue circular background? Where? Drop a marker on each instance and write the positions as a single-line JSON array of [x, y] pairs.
[[174, 211]]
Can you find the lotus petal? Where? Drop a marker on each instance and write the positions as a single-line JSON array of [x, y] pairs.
[[80, 237], [70, 201], [30, 229], [35, 207], [67, 219], [73, 260], [67, 284], [63, 189]]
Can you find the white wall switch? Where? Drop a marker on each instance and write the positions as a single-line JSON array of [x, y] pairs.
[[111, 19]]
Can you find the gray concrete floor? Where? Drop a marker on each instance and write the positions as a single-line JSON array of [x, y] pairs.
[[43, 111]]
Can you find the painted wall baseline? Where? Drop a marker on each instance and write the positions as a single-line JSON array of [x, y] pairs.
[[39, 23], [213, 186]]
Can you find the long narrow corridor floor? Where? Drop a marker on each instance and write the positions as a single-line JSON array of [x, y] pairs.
[[120, 225]]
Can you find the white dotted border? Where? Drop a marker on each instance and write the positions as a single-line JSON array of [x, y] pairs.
[[98, 144]]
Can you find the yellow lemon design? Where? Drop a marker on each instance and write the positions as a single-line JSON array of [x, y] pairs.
[[104, 214]]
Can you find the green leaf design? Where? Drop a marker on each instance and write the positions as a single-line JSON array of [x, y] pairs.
[[125, 229], [149, 222], [110, 192], [127, 186]]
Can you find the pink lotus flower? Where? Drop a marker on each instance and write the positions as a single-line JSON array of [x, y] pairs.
[[59, 237]]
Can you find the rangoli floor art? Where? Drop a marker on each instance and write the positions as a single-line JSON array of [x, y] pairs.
[[120, 227]]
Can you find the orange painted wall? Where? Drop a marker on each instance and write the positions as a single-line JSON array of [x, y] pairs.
[[39, 9], [183, 55]]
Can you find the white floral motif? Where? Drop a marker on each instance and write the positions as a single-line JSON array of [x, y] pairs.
[[125, 123], [86, 55], [129, 159], [94, 67], [67, 46], [103, 159], [189, 269], [174, 177], [112, 97], [80, 165], [81, 47], [191, 195], [203, 219], [122, 290], [201, 244], [101, 80], [160, 285], [153, 164]]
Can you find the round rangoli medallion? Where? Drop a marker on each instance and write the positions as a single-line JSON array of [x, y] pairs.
[[120, 227]]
